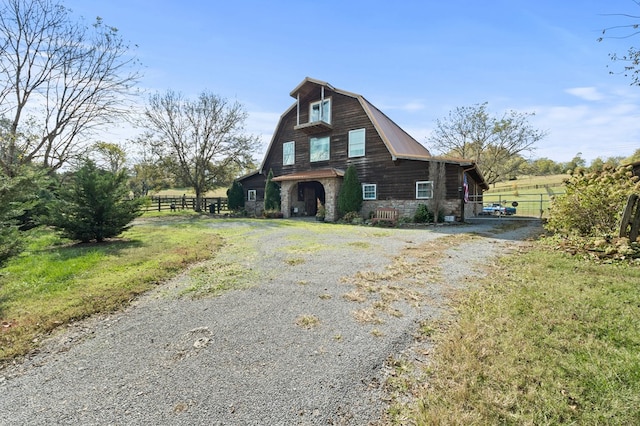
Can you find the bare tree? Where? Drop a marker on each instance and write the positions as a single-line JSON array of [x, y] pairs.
[[495, 144], [59, 80], [629, 27], [203, 138], [437, 176]]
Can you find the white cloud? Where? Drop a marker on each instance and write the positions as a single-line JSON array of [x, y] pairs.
[[595, 130], [586, 93]]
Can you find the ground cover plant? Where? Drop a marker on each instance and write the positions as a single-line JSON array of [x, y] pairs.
[[548, 339], [54, 281]]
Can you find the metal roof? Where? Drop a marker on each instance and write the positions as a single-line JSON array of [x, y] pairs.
[[311, 174]]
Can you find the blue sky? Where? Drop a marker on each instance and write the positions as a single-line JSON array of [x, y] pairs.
[[415, 60]]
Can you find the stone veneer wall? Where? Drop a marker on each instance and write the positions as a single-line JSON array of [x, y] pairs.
[[407, 208], [254, 208]]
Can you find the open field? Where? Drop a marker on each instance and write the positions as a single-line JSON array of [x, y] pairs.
[[532, 193], [178, 192]]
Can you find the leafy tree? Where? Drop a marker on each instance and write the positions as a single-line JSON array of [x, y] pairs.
[[110, 156], [271, 193], [59, 80], [235, 195], [542, 167], [350, 195], [575, 164], [494, 143], [18, 195], [593, 202], [200, 140], [95, 206]]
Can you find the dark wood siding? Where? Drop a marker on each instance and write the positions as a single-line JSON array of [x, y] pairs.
[[394, 179], [256, 182]]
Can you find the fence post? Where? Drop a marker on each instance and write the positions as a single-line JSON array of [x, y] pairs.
[[541, 210], [628, 218], [159, 204]]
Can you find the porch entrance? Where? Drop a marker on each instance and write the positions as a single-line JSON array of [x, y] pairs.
[[308, 194]]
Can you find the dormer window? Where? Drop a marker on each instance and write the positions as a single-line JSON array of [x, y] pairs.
[[320, 111]]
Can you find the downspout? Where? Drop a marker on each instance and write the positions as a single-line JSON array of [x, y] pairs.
[[322, 103], [298, 109]]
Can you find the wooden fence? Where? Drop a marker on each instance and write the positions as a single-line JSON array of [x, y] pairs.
[[215, 205]]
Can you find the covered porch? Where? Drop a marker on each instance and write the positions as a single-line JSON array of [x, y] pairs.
[[302, 193]]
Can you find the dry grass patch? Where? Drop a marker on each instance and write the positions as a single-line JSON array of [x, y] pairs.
[[293, 261], [404, 280], [355, 296], [367, 316], [308, 321]]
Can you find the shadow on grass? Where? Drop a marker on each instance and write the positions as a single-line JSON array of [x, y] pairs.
[[111, 246]]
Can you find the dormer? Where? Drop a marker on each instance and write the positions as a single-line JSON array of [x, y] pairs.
[[318, 119]]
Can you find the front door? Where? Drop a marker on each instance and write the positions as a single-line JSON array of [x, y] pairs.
[[310, 200]]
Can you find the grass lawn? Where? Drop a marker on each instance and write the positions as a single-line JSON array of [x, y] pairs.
[[54, 281], [549, 339]]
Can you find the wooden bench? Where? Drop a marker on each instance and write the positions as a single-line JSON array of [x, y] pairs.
[[385, 214]]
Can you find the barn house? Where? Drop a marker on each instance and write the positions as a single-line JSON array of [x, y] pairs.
[[328, 129]]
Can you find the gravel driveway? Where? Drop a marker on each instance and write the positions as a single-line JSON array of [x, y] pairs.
[[294, 348]]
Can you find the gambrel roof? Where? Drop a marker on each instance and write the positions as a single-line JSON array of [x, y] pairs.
[[400, 144]]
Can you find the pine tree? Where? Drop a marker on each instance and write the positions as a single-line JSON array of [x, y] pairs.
[[95, 206], [350, 195], [271, 193], [235, 195]]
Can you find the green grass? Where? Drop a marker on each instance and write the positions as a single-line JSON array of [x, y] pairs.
[[550, 339], [55, 282]]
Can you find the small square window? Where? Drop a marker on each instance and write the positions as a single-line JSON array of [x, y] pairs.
[[356, 143], [288, 153], [251, 195], [369, 191], [424, 190]]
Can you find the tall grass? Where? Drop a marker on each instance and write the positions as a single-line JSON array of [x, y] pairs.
[[55, 281], [549, 339]]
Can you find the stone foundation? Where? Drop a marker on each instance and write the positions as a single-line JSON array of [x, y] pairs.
[[407, 208]]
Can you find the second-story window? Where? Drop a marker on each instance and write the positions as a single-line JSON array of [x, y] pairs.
[[356, 143], [320, 111], [319, 149], [288, 153]]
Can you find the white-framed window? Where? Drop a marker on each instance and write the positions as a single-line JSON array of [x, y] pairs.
[[251, 195], [319, 148], [288, 153], [424, 190], [356, 143], [369, 191], [320, 111]]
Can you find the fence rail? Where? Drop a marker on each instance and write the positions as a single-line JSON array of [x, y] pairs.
[[216, 205]]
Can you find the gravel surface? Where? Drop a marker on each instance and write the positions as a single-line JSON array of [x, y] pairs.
[[288, 350]]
